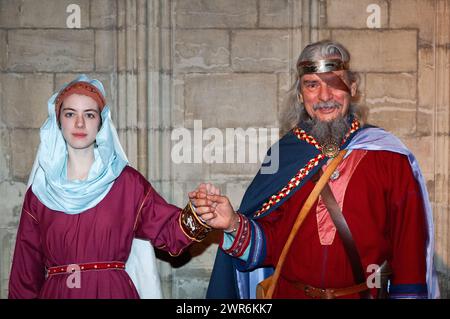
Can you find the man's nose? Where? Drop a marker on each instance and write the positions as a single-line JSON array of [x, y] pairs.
[[325, 92]]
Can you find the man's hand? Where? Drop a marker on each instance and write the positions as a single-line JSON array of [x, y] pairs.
[[214, 209]]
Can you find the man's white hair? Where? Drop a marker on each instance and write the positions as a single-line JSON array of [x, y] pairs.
[[325, 49], [293, 111]]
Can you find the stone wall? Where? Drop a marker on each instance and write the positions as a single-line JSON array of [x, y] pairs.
[[168, 63]]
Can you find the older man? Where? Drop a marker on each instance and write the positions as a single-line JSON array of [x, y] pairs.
[[378, 189]]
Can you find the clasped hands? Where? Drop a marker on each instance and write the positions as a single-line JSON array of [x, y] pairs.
[[213, 208]]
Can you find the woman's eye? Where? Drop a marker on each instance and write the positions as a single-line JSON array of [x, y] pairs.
[[68, 114], [90, 115]]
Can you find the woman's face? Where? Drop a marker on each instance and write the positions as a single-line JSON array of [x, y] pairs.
[[80, 121]]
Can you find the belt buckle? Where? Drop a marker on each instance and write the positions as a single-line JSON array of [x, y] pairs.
[[313, 292], [321, 293]]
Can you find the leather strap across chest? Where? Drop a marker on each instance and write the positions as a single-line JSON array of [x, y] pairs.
[[346, 236]]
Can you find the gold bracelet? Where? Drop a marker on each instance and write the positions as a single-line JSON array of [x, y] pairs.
[[191, 225]]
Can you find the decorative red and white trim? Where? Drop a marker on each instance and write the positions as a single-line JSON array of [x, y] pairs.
[[295, 181], [242, 238], [302, 135]]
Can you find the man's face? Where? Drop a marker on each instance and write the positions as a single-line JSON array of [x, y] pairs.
[[322, 101]]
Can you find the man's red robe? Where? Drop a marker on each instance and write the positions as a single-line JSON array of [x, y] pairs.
[[382, 204]]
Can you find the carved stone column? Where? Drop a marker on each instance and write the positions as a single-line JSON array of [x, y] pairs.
[[440, 61], [132, 92], [159, 107], [144, 94]]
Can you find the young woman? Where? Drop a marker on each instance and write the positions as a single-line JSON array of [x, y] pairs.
[[85, 209]]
